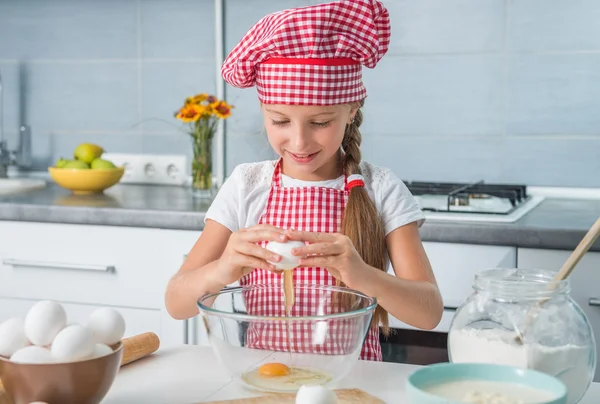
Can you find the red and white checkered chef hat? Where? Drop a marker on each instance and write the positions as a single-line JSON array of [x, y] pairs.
[[311, 55]]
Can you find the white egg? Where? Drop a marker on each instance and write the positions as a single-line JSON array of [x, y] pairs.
[[32, 354], [101, 350], [107, 325], [73, 343], [12, 336], [44, 321], [315, 395], [288, 260]]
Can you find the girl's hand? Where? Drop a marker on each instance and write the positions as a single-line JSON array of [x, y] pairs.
[[242, 253], [332, 251]]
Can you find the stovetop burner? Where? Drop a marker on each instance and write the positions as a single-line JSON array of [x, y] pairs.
[[477, 197]]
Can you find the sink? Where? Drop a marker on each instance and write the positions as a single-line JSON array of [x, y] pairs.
[[15, 185]]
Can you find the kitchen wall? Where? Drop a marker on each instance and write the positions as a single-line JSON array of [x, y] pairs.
[[499, 90], [107, 71]]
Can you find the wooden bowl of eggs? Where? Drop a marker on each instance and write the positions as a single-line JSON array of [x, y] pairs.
[[45, 359]]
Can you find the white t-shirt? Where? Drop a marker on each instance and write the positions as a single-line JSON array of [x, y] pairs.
[[243, 197]]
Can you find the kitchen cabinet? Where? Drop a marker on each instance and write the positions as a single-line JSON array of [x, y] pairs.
[[91, 266], [584, 280], [454, 266]]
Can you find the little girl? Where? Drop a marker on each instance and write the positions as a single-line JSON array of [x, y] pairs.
[[354, 217]]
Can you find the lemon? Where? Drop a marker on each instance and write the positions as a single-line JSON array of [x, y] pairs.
[[88, 152], [100, 164], [77, 164]]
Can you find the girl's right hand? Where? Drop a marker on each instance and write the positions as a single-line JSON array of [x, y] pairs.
[[242, 253]]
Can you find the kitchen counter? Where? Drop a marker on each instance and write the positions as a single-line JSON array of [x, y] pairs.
[[554, 224], [192, 374]]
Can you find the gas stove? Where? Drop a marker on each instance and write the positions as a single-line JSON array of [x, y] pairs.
[[477, 201]]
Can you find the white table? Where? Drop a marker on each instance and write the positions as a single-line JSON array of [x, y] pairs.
[[192, 374]]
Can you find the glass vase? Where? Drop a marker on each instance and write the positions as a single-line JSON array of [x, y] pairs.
[[202, 173]]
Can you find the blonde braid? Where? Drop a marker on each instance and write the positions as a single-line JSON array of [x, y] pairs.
[[361, 222]]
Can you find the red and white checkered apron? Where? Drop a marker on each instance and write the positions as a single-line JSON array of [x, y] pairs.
[[315, 209]]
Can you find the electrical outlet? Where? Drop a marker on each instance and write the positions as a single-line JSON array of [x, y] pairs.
[[151, 168]]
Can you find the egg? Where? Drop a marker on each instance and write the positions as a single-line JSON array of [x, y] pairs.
[[315, 395], [12, 336], [107, 325], [73, 343], [44, 321], [32, 354], [288, 260], [101, 350], [273, 369]]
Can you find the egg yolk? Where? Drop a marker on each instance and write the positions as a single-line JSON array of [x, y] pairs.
[[273, 369]]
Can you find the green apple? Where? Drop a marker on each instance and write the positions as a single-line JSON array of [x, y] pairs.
[[102, 164], [76, 164]]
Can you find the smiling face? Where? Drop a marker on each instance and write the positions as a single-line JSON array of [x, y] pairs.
[[308, 138]]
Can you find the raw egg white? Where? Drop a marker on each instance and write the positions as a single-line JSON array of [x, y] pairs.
[[12, 336], [107, 325], [44, 321], [73, 343], [32, 354], [288, 260], [101, 350], [315, 395]]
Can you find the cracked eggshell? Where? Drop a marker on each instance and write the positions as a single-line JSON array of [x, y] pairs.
[[44, 321], [288, 261]]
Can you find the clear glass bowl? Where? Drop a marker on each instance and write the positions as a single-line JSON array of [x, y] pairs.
[[523, 318], [266, 349]]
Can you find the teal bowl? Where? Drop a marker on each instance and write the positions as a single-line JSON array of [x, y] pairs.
[[421, 382]]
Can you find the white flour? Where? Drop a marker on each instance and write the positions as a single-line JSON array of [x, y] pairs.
[[569, 363]]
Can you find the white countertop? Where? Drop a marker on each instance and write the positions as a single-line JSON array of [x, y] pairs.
[[192, 374]]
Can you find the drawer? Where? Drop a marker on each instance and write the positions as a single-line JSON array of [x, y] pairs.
[[104, 265], [137, 321], [455, 265]]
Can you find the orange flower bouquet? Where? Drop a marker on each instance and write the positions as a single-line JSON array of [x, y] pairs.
[[202, 113]]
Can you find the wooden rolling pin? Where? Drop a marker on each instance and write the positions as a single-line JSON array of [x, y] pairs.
[[134, 348]]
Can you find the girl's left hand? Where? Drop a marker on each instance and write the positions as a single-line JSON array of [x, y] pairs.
[[332, 251]]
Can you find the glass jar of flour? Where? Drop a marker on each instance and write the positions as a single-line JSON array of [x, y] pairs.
[[522, 318]]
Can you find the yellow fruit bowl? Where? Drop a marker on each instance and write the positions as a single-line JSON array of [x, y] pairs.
[[86, 181]]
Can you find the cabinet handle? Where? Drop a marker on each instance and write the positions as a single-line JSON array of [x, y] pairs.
[[594, 301], [58, 265]]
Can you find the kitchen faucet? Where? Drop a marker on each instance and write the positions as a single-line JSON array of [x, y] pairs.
[[22, 155]]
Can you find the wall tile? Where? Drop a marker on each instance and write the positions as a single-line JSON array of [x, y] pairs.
[[63, 144], [68, 29], [246, 149], [554, 94], [443, 26], [435, 95], [246, 116], [439, 158], [568, 162], [10, 87], [83, 96], [541, 25], [165, 85], [177, 29]]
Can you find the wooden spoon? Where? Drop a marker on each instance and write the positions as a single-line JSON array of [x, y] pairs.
[[565, 271]]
